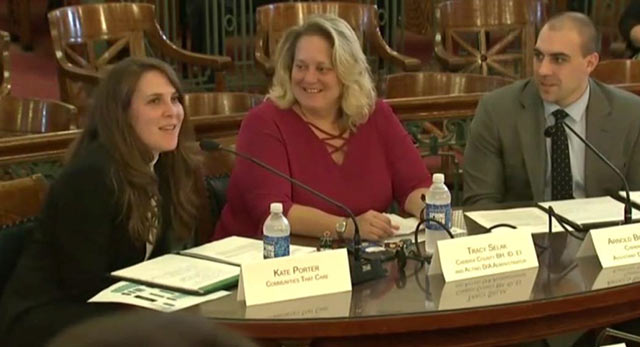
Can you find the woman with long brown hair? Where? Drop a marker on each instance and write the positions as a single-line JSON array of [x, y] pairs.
[[125, 195]]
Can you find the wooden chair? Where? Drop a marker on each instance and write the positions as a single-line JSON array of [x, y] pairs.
[[20, 21], [21, 199], [222, 103], [272, 21], [441, 141], [417, 84], [606, 16], [418, 16], [20, 202], [87, 39], [5, 75], [617, 71], [21, 116], [216, 169], [490, 37]]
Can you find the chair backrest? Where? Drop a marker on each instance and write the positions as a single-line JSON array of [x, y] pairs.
[[417, 84], [91, 37], [418, 16], [20, 202], [617, 71], [203, 104], [88, 39], [21, 199], [272, 21], [216, 169], [605, 15], [5, 75], [491, 37], [21, 116]]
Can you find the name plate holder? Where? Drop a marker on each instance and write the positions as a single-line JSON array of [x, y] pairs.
[[483, 255], [294, 277], [614, 246]]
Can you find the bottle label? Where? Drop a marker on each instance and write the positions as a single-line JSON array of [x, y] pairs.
[[275, 246], [441, 213]]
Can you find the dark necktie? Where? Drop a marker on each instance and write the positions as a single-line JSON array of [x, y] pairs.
[[561, 178]]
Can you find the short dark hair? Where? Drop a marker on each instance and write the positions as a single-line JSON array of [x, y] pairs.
[[583, 26]]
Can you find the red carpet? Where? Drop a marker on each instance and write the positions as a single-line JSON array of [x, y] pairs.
[[33, 74]]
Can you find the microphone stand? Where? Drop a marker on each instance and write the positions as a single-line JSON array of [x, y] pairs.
[[627, 203], [361, 270]]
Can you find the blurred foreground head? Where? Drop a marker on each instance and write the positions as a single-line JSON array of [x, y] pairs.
[[149, 328]]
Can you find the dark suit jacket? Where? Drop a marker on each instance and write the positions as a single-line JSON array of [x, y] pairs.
[[505, 156], [80, 241]]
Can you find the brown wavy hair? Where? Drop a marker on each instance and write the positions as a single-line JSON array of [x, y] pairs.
[[135, 184]]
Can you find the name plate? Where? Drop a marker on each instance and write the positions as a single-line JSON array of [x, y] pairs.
[[335, 305], [483, 255], [617, 276], [294, 277], [614, 246], [484, 291]]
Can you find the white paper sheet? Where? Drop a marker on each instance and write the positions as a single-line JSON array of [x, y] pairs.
[[591, 210], [635, 196], [407, 225], [238, 250], [153, 298], [527, 219], [180, 273]]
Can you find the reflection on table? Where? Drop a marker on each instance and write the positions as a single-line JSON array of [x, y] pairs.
[[563, 294]]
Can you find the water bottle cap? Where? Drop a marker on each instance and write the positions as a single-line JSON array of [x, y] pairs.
[[438, 178], [275, 207]]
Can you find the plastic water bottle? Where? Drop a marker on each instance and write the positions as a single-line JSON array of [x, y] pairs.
[[276, 233], [439, 208]]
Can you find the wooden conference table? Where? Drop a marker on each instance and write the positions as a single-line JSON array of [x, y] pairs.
[[409, 308]]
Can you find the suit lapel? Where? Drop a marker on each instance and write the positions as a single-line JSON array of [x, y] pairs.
[[530, 126], [598, 114]]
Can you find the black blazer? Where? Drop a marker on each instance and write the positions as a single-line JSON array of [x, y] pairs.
[[80, 241]]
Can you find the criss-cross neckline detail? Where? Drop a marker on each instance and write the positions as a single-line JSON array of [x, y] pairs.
[[342, 137], [329, 137]]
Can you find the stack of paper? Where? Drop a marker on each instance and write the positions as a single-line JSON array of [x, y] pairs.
[[635, 196], [528, 219], [237, 250], [153, 298], [407, 225], [186, 274], [589, 211], [199, 271]]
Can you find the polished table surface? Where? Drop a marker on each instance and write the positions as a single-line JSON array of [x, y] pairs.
[[409, 308], [11, 133]]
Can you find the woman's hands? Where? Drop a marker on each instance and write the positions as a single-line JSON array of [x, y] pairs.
[[374, 226]]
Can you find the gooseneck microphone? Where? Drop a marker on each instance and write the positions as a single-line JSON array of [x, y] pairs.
[[361, 270], [550, 130]]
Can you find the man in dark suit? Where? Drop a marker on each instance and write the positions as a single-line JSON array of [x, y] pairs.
[[509, 158]]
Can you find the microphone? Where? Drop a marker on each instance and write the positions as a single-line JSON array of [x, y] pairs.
[[361, 270], [550, 130]]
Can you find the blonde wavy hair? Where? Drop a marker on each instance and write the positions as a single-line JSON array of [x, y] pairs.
[[358, 91]]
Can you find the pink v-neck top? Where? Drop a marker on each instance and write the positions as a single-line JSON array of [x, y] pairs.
[[381, 164]]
